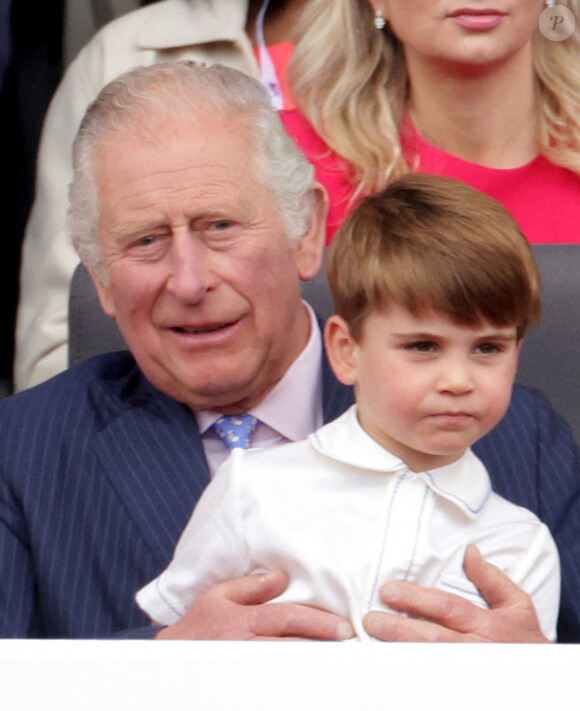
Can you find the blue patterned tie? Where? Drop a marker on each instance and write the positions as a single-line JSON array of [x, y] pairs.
[[235, 430]]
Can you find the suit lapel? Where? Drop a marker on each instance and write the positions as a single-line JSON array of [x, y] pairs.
[[152, 454]]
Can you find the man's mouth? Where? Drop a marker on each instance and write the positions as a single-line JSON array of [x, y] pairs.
[[211, 328]]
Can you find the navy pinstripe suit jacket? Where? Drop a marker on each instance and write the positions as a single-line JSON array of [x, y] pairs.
[[99, 472]]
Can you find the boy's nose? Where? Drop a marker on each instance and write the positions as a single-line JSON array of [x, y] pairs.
[[456, 378]]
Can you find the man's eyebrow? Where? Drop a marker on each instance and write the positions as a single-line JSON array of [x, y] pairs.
[[128, 229]]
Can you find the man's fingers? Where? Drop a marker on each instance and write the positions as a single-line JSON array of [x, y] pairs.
[[254, 589], [282, 619], [439, 616], [494, 585], [450, 611], [388, 627], [291, 620], [236, 610]]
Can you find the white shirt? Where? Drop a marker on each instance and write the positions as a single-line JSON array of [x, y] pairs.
[[343, 516], [289, 413]]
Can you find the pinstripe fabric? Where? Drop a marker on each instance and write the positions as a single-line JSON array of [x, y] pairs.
[[96, 485], [99, 472], [533, 461]]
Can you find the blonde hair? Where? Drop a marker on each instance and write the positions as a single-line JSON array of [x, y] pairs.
[[432, 243], [350, 81]]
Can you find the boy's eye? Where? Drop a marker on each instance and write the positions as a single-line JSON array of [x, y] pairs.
[[422, 346], [488, 348]]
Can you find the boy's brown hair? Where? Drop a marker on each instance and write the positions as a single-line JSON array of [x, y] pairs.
[[432, 243]]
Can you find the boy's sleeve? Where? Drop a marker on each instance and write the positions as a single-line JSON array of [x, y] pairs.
[[538, 573], [211, 549]]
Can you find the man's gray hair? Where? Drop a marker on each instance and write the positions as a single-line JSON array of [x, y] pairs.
[[186, 88]]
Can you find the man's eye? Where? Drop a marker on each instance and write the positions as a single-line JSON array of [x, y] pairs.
[[146, 241], [220, 225]]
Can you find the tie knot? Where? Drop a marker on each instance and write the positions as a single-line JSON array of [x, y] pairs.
[[235, 430]]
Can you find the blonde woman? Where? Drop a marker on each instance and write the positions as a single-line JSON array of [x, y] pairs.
[[470, 89]]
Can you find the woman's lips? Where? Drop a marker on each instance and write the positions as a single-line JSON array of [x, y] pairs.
[[477, 20]]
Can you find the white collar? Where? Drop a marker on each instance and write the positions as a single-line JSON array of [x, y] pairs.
[[464, 483]]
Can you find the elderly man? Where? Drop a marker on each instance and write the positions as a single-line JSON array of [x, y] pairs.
[[197, 217], [231, 32]]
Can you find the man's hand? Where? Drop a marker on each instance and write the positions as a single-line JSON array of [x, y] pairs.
[[445, 617], [235, 610]]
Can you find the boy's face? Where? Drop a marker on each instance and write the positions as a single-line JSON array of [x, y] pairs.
[[426, 388]]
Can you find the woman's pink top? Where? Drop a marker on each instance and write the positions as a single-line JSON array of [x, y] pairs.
[[544, 198]]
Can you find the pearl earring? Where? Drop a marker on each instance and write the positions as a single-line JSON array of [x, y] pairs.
[[380, 21]]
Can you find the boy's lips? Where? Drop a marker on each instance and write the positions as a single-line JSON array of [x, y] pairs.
[[453, 416]]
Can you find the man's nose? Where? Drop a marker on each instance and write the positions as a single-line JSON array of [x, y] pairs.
[[191, 269]]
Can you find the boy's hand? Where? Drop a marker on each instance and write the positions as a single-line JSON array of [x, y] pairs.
[[444, 617], [234, 610]]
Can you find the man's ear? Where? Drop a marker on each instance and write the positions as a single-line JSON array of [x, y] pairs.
[[342, 350], [308, 253], [105, 295]]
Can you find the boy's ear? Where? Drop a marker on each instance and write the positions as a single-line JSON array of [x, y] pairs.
[[342, 350]]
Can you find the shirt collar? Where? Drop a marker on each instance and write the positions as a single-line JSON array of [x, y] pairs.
[[464, 483], [201, 22], [293, 408]]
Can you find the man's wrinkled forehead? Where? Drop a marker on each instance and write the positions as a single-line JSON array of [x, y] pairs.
[[170, 120]]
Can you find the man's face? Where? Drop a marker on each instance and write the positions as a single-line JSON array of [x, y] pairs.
[[202, 280]]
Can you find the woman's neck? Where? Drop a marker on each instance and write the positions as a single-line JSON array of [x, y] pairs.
[[488, 118]]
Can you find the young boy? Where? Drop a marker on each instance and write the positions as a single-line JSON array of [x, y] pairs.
[[434, 286]]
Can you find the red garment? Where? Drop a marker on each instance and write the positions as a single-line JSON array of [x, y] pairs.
[[331, 170], [544, 198]]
